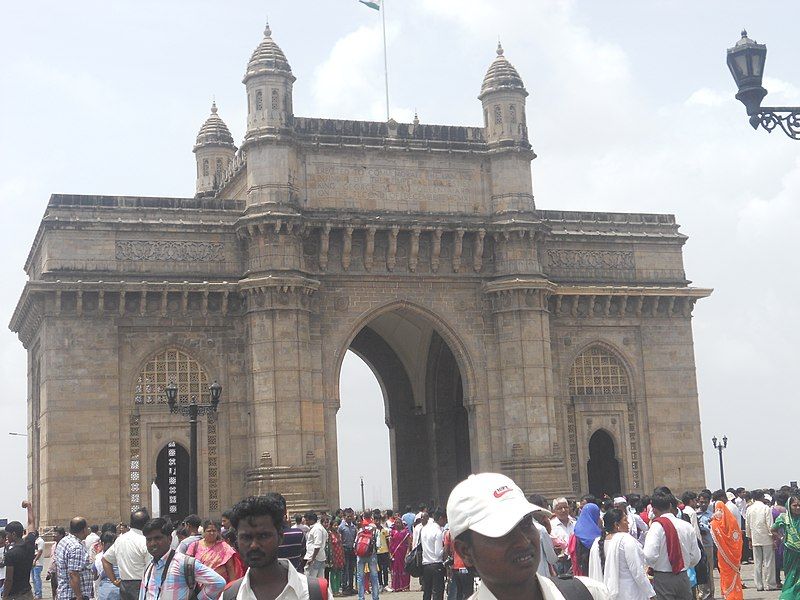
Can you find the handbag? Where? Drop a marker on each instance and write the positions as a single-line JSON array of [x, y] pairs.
[[413, 562]]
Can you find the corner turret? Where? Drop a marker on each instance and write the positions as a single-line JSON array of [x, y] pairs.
[[503, 96], [214, 151]]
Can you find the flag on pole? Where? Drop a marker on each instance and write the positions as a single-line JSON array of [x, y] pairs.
[[376, 4]]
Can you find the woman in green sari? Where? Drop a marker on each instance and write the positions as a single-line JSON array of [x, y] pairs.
[[789, 523]]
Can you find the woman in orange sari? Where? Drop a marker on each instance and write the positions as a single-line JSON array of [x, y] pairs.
[[727, 536], [215, 552]]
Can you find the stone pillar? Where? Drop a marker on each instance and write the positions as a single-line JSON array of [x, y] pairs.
[[288, 421], [525, 375]]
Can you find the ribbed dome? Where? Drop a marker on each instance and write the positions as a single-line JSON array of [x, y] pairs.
[[267, 58], [501, 76], [214, 131]]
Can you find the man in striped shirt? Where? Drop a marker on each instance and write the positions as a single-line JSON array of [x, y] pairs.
[[165, 577]]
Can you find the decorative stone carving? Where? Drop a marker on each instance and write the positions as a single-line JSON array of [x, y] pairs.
[[169, 250], [590, 259]]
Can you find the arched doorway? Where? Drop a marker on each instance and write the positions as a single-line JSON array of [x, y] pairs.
[[423, 394], [603, 466], [172, 481]]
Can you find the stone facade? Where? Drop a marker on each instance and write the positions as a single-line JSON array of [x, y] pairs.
[[504, 336]]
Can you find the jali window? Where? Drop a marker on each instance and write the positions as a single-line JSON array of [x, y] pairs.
[[598, 372], [172, 365]]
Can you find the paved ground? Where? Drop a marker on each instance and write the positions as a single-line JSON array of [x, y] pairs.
[[416, 592]]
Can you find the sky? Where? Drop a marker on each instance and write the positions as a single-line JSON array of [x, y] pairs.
[[631, 109]]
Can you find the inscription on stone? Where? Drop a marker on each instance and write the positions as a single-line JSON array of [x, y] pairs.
[[361, 184], [590, 259], [169, 250]]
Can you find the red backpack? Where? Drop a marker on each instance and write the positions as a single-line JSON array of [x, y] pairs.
[[365, 542]]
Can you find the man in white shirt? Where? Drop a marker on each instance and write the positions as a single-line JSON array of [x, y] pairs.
[[431, 538], [493, 530], [92, 539], [562, 526], [129, 553], [258, 521], [423, 520], [670, 548], [759, 520], [36, 570], [316, 538]]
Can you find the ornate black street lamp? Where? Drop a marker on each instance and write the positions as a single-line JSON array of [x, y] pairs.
[[746, 62], [720, 447], [193, 410]]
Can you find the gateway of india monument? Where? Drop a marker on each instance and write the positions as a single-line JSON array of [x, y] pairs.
[[550, 345]]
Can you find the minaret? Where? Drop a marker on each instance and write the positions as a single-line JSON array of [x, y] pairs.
[[269, 82], [503, 97], [214, 150], [269, 138]]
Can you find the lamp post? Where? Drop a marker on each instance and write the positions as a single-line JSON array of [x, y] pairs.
[[746, 62], [720, 447], [192, 410]]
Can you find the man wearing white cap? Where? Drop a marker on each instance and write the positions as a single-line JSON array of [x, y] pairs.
[[492, 528]]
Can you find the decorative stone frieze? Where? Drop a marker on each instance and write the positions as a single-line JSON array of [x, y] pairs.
[[169, 250]]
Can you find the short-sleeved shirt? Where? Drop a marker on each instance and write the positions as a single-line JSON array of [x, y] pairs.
[[20, 556], [316, 537], [72, 556], [39, 551], [348, 531]]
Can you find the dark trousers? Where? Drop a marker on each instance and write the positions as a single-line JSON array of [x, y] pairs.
[[54, 585], [385, 566], [671, 586], [349, 569], [129, 589], [433, 581], [464, 584]]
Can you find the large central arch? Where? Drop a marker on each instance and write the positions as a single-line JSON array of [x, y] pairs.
[[423, 386]]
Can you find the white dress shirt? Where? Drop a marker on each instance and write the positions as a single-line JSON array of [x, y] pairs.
[[129, 553], [431, 539], [549, 590], [655, 545], [316, 537], [296, 586], [692, 513], [561, 532], [759, 523]]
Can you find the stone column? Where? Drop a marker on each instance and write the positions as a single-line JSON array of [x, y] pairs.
[[525, 373], [287, 420]]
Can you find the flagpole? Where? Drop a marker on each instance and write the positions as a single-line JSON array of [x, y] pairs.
[[385, 59]]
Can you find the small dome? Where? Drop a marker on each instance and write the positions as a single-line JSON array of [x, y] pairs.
[[214, 131], [267, 58], [501, 76]]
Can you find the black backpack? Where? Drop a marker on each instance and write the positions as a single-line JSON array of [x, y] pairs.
[[571, 588]]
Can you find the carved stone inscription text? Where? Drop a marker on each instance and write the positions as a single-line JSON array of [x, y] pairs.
[[171, 250], [384, 186], [590, 259]]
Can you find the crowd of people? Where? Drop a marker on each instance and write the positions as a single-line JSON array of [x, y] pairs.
[[622, 548]]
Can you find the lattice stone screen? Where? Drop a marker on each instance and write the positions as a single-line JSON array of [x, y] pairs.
[[172, 365], [597, 372]]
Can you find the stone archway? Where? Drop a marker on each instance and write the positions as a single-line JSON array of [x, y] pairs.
[[172, 480], [424, 404], [603, 466]]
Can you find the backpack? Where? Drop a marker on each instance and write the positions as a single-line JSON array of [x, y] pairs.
[[317, 589], [570, 587], [365, 542], [188, 574]]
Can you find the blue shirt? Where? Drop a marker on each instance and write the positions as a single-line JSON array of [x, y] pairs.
[[348, 532]]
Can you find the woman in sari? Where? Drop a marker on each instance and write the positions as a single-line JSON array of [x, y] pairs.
[[398, 548], [727, 536], [215, 552], [617, 560], [587, 530], [789, 524]]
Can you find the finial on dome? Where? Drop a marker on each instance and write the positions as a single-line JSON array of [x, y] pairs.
[[214, 106], [499, 48], [744, 33], [416, 117], [267, 30]]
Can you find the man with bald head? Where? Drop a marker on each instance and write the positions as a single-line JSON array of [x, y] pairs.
[[72, 563], [129, 554]]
